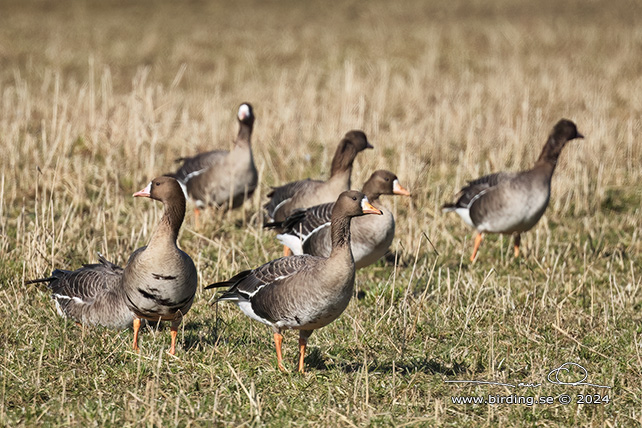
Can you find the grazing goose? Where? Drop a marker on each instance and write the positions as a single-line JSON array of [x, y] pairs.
[[302, 292], [158, 282], [306, 193], [91, 295], [160, 279], [215, 178], [513, 202], [308, 230]]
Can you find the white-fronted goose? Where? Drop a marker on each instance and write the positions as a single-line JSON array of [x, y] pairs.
[[215, 178], [306, 193], [302, 292], [307, 231], [513, 202], [158, 283], [91, 295], [160, 279]]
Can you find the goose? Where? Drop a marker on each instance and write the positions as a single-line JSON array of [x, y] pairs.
[[513, 202], [160, 279], [302, 292], [91, 295], [220, 178], [158, 282], [307, 231], [306, 193]]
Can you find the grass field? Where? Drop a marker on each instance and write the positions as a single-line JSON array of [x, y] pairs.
[[97, 98]]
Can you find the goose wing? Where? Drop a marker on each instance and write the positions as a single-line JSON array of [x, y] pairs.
[[197, 165], [281, 194], [303, 225], [91, 294], [476, 188], [247, 283]]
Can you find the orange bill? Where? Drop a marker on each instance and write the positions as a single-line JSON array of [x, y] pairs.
[[398, 189], [368, 208]]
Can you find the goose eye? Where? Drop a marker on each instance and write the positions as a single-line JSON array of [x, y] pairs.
[[387, 179], [158, 183], [354, 198]]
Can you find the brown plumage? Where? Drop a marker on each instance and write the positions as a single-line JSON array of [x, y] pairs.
[[302, 292], [306, 193], [160, 279], [513, 202], [158, 283], [91, 295], [307, 231]]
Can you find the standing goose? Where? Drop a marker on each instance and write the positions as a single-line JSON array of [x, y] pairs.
[[159, 281], [306, 193], [308, 231], [513, 202], [219, 177], [302, 292]]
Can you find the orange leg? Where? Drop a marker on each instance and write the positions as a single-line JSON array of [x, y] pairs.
[[136, 330], [518, 239], [286, 251], [197, 214], [478, 241], [303, 341], [174, 333], [278, 340]]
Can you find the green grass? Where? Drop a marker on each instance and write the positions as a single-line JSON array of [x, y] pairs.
[[96, 98]]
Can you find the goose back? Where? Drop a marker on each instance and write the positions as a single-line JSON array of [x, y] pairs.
[[91, 295]]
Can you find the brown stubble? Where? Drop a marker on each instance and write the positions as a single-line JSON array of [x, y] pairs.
[[103, 97]]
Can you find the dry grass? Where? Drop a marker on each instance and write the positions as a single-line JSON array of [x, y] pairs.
[[96, 98]]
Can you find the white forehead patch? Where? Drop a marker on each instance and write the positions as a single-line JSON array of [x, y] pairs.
[[364, 201], [244, 111], [147, 188]]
